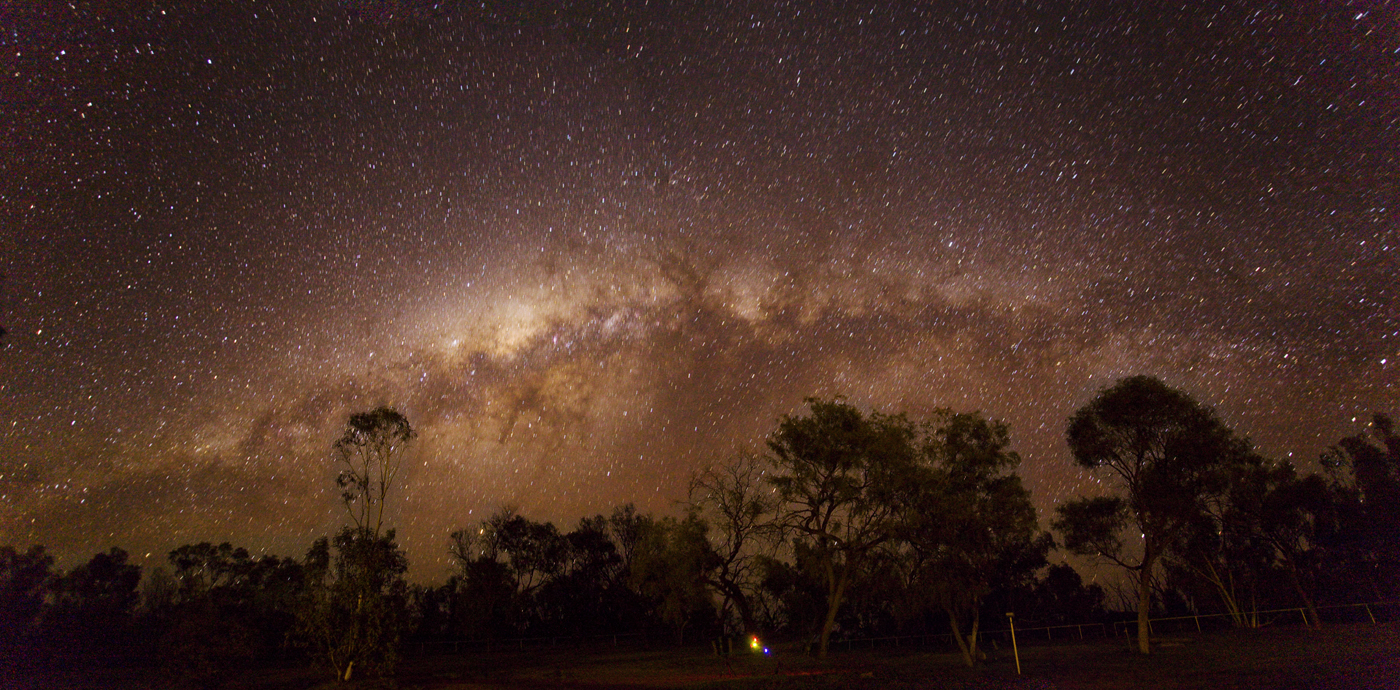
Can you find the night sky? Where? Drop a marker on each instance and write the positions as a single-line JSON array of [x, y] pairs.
[[588, 247]]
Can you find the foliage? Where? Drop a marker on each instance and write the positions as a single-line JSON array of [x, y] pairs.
[[24, 579], [839, 474], [1060, 597], [517, 576], [738, 505], [670, 568], [98, 595], [370, 451], [351, 615], [1366, 477], [1166, 454], [970, 526], [219, 608]]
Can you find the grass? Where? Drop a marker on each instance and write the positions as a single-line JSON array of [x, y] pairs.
[[1339, 656]]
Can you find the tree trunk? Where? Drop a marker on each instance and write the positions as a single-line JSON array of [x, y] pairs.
[[1225, 587], [834, 596], [968, 646], [1315, 622], [735, 595], [1144, 604], [741, 602]]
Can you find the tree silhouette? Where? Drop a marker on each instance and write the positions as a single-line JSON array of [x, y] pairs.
[[672, 563], [1166, 454], [1366, 478], [970, 525], [371, 451], [738, 506], [24, 578], [352, 615], [838, 473], [93, 602], [353, 611]]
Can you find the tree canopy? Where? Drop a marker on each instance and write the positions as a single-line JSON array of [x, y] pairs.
[[1165, 455]]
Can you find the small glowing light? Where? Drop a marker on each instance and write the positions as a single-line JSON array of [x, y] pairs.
[[754, 643]]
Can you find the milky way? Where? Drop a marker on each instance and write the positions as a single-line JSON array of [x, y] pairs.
[[589, 249]]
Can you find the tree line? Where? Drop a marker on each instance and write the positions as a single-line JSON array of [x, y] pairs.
[[849, 523]]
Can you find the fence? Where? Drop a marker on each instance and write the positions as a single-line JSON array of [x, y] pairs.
[[1071, 631], [521, 643], [1386, 609], [1374, 612]]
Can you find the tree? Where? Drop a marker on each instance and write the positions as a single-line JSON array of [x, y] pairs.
[[1166, 454], [483, 591], [371, 451], [838, 473], [1365, 472], [352, 616], [532, 552], [970, 524], [672, 562], [581, 596], [24, 576], [93, 602], [1060, 597], [1226, 548], [1293, 517], [733, 499], [221, 607]]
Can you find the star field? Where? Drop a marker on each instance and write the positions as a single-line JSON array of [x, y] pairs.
[[588, 247]]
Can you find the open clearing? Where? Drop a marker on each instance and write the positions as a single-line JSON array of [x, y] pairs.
[[1340, 656]]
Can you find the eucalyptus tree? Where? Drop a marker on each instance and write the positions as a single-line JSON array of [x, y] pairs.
[[841, 477], [352, 614], [670, 567], [738, 507], [370, 452], [1365, 472], [1165, 455], [970, 525]]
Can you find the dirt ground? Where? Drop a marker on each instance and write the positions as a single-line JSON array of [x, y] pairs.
[[1339, 656]]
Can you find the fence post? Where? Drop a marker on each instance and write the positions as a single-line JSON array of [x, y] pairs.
[[1011, 621]]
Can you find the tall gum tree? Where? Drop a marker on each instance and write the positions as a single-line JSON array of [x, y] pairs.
[[970, 524], [370, 451], [352, 614], [839, 475], [1166, 455], [737, 505]]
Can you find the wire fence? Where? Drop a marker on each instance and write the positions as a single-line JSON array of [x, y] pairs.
[[1372, 612], [521, 643]]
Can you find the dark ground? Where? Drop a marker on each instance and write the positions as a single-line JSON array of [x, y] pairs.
[[1340, 656]]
